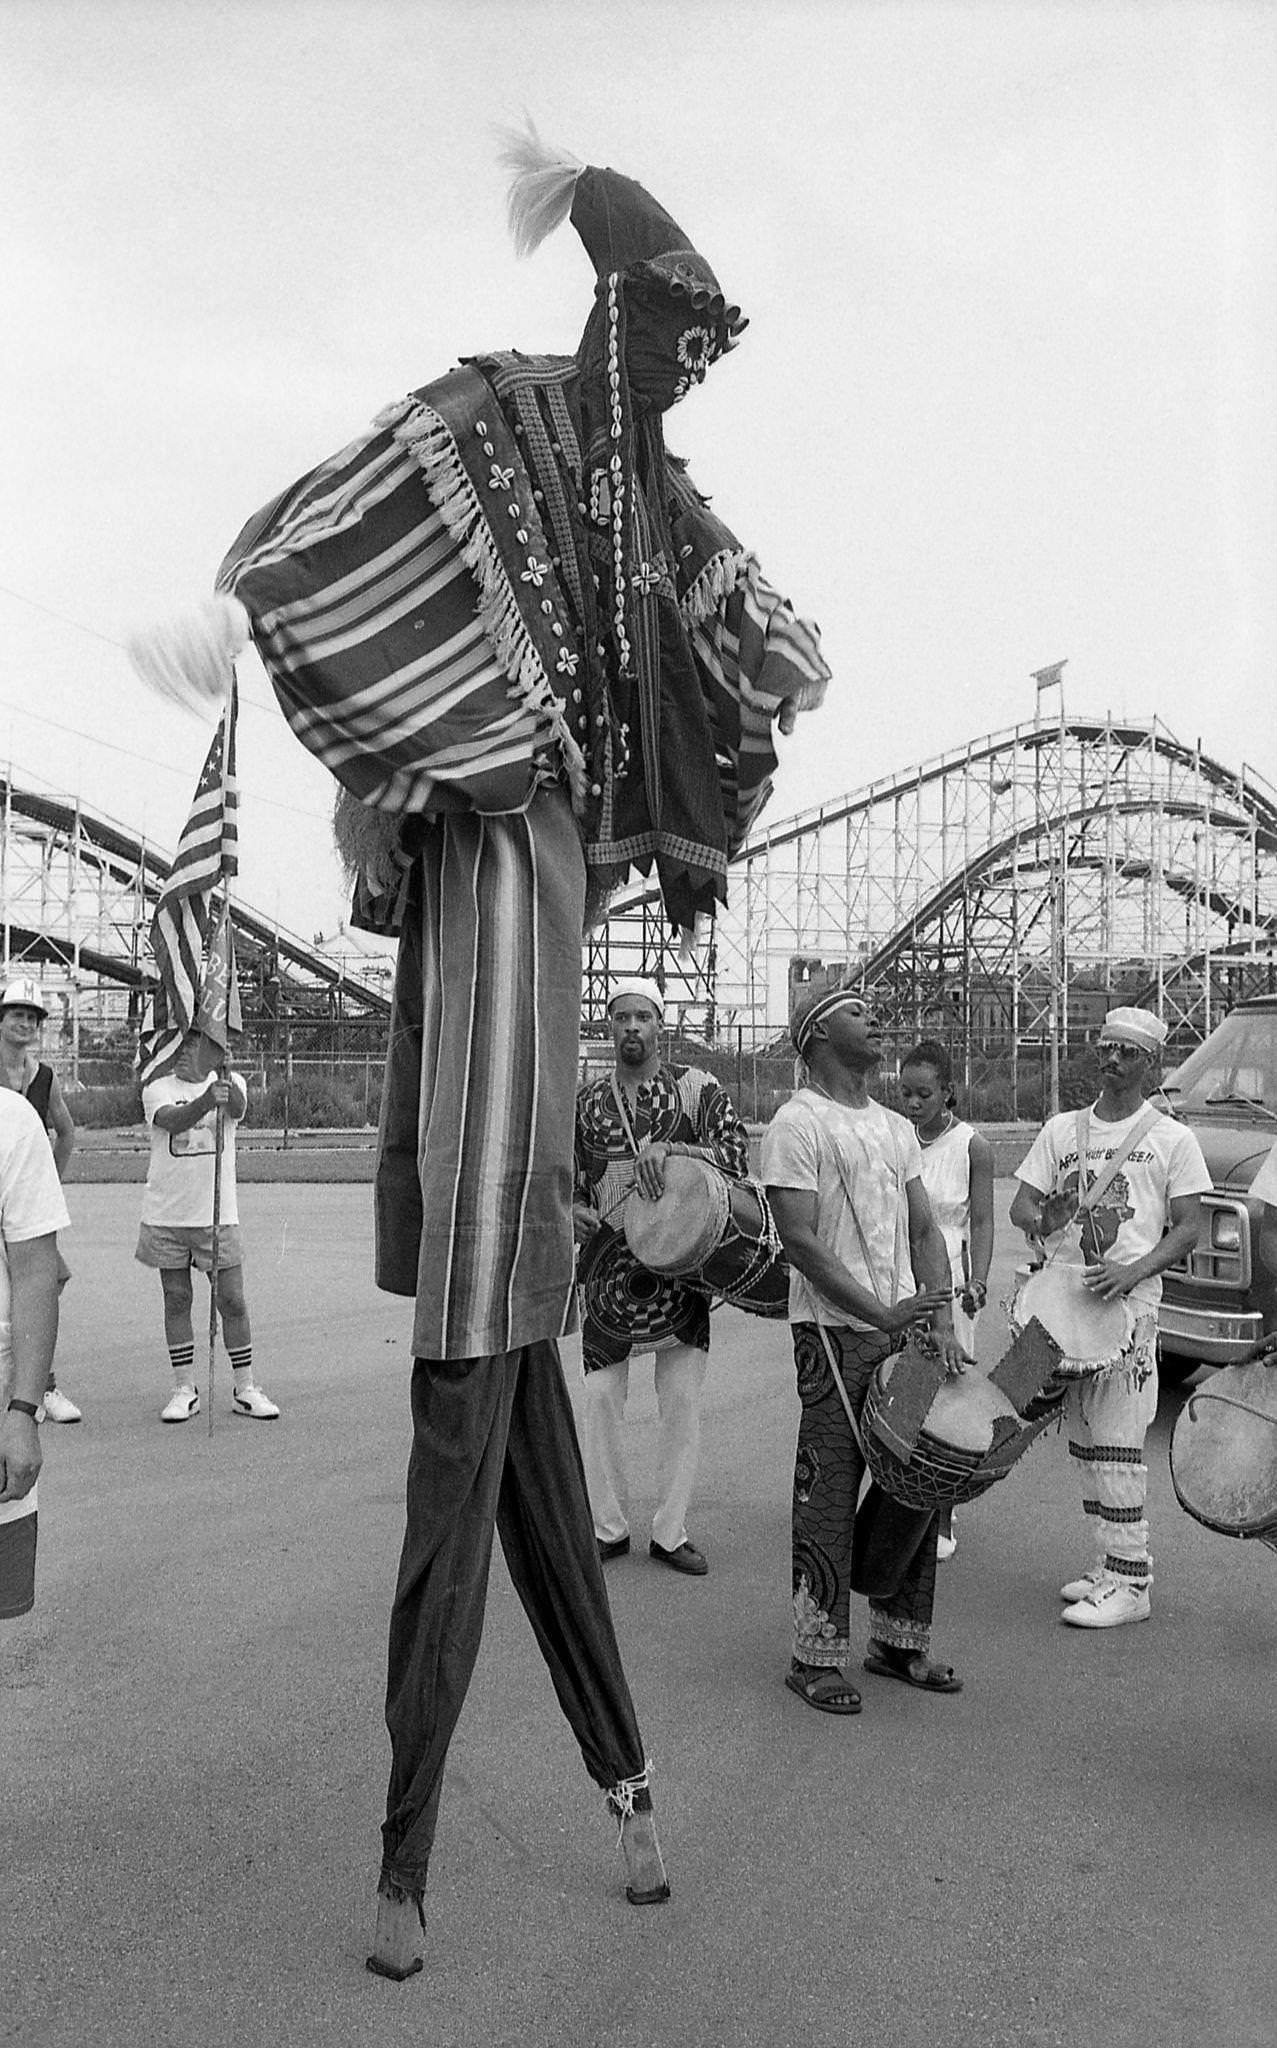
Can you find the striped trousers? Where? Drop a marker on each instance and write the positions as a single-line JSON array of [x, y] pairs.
[[1107, 1418]]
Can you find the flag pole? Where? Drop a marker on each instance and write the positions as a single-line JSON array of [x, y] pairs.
[[227, 1013], [219, 1126]]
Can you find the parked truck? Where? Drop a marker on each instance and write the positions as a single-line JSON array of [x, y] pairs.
[[1223, 1296]]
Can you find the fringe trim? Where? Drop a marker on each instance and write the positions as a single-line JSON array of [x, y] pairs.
[[722, 574], [631, 1796], [427, 439]]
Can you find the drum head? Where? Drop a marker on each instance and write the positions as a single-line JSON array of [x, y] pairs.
[[677, 1232], [965, 1411], [1091, 1333], [1224, 1452]]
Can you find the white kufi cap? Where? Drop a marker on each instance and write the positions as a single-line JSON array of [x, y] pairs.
[[1134, 1027]]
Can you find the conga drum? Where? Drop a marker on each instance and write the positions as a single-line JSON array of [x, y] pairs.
[[715, 1233], [1224, 1453]]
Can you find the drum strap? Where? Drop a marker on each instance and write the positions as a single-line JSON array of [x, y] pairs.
[[624, 1114], [1088, 1196], [843, 1395]]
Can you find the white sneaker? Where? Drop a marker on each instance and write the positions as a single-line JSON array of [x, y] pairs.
[[945, 1546], [1082, 1587], [182, 1403], [58, 1408], [252, 1401], [1112, 1603]]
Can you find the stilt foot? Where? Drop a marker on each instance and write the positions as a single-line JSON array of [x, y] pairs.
[[645, 1881], [396, 1942]]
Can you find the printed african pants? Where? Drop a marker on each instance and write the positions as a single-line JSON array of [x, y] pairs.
[[494, 1445], [1107, 1418], [828, 1475]]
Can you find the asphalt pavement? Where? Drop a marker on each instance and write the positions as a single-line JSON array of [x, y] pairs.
[[1076, 1850]]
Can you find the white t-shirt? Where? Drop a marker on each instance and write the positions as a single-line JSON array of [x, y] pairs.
[[31, 1205], [1264, 1185], [1131, 1215], [803, 1147], [179, 1179]]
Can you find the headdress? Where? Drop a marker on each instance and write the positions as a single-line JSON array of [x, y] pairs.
[[659, 319], [647, 991], [1135, 1027]]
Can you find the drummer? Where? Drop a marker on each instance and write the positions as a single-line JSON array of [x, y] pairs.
[[1137, 1211], [627, 1126], [867, 1263]]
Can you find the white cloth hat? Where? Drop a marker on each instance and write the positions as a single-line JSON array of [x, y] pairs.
[[646, 990], [24, 995], [1134, 1027]]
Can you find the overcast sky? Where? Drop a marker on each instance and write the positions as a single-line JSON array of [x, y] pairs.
[[1006, 396]]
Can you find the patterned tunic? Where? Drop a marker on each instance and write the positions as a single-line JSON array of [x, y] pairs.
[[474, 1173], [623, 1306]]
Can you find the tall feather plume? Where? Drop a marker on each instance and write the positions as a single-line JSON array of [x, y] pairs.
[[543, 180]]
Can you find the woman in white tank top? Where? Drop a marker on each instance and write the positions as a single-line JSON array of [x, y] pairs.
[[957, 1173]]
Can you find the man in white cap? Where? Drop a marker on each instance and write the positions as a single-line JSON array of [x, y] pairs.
[[627, 1126], [23, 1014], [1132, 1180]]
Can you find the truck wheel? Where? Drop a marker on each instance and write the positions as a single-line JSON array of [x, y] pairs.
[[1172, 1370]]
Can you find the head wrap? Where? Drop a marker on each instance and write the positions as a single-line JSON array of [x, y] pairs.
[[646, 991], [812, 1008], [1134, 1027], [24, 995]]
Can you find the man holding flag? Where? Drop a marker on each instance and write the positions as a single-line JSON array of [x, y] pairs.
[[190, 1216]]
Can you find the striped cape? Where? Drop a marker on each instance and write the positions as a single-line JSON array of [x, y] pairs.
[[411, 642], [419, 603]]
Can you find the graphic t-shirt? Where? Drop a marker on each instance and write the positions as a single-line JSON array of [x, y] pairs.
[[31, 1205], [825, 1148], [179, 1178], [1132, 1213]]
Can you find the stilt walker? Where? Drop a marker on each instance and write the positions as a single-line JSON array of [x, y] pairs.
[[511, 627]]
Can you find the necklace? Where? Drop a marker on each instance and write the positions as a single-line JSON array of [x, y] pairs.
[[946, 1126], [838, 1104]]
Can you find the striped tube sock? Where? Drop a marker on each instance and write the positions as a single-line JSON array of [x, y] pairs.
[[182, 1359], [241, 1366]]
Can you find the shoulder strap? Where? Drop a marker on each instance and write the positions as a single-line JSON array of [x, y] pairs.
[[845, 1178], [1089, 1196], [619, 1099]]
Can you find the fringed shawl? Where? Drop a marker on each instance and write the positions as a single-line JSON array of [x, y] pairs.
[[427, 604]]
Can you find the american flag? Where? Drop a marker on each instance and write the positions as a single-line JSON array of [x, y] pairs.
[[191, 934]]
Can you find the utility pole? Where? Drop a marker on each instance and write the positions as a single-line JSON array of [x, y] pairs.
[[1053, 679]]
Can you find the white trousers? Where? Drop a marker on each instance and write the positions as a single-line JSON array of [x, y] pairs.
[[1107, 1418], [680, 1374]]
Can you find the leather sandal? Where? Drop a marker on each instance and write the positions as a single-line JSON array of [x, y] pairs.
[[890, 1662], [824, 1687]]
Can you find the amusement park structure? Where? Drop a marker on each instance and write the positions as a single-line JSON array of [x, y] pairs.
[[1005, 893], [77, 893]]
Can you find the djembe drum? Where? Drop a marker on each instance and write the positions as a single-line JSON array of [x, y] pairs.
[[715, 1233], [1092, 1334]]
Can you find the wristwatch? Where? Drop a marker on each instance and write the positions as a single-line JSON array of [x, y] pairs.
[[24, 1408]]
